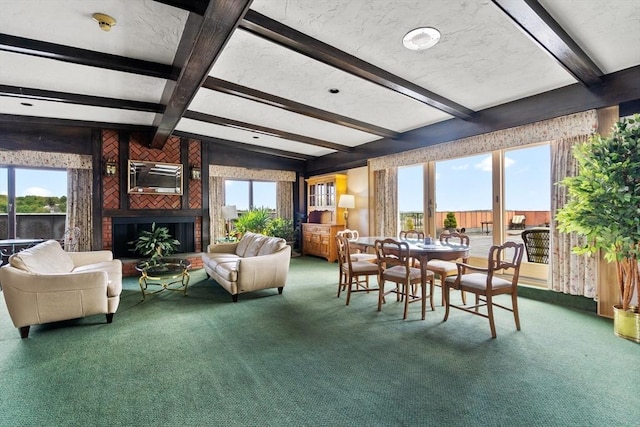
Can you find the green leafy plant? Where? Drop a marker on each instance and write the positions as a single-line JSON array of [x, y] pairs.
[[450, 221], [281, 227], [254, 220], [604, 201], [155, 243]]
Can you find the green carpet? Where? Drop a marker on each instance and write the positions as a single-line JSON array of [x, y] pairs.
[[305, 359]]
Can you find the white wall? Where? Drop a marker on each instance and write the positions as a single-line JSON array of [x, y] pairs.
[[358, 185]]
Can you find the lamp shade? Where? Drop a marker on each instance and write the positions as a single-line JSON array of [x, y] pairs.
[[229, 212], [347, 201]]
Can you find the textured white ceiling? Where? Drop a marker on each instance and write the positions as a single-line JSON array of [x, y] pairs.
[[482, 60]]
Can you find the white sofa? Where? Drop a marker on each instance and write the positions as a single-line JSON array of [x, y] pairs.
[[45, 284], [255, 262]]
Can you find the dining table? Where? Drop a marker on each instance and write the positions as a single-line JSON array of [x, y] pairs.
[[422, 251]]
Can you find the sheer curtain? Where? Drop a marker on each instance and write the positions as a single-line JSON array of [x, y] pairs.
[[571, 274], [79, 211], [386, 197]]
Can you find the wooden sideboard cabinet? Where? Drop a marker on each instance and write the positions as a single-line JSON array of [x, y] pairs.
[[320, 240]]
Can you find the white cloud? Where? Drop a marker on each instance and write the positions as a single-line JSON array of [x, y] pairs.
[[37, 191], [460, 167], [484, 165], [508, 161], [437, 176]]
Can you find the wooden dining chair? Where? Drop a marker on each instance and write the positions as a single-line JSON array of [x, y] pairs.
[[485, 283], [357, 254], [411, 235], [353, 273], [444, 269], [395, 265]]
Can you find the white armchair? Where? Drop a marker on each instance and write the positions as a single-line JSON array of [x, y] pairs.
[[45, 284]]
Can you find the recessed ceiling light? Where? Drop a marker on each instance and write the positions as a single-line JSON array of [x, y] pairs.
[[421, 38], [334, 90], [26, 104], [255, 137]]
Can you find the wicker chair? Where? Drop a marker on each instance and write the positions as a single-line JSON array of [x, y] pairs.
[[536, 242]]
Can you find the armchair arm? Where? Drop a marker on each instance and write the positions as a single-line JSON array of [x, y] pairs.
[[90, 257], [463, 267], [264, 271], [225, 248]]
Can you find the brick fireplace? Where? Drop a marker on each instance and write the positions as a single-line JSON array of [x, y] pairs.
[[127, 229]]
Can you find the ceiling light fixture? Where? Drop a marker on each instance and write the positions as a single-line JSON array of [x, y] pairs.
[[421, 38], [104, 21], [334, 90], [26, 104]]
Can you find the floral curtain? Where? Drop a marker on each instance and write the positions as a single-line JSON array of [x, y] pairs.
[[386, 197], [571, 274], [284, 199], [79, 208], [216, 201]]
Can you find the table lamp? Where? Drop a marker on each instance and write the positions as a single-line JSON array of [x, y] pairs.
[[347, 201], [229, 213]]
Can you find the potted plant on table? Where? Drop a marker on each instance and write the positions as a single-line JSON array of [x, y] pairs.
[[155, 243], [604, 206]]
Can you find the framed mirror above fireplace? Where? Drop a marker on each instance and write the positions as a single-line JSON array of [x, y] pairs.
[[155, 177]]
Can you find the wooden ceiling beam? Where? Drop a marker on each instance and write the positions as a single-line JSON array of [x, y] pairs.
[[534, 21], [244, 147], [74, 98], [250, 94], [276, 32], [86, 57], [202, 41], [221, 121]]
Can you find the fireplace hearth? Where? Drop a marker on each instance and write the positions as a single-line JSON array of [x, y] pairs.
[[127, 229]]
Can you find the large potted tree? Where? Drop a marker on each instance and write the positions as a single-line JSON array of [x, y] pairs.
[[604, 206]]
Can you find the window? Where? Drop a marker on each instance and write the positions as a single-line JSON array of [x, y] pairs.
[[33, 203], [250, 194], [464, 187], [411, 197]]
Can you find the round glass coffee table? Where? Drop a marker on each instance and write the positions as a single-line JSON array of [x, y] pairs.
[[167, 273]]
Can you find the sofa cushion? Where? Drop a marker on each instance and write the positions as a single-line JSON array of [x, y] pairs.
[[227, 269], [247, 239], [258, 241], [45, 258], [272, 245]]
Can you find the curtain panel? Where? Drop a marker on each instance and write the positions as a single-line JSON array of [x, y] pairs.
[[79, 207], [386, 197], [571, 273], [216, 201], [284, 199]]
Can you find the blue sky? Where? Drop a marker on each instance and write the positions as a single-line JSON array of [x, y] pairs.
[[36, 182], [465, 183]]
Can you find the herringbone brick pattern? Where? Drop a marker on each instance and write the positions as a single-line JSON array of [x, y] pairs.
[[154, 201], [110, 184], [170, 153], [195, 187]]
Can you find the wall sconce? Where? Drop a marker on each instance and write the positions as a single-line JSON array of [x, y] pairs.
[[110, 167], [195, 172], [347, 201]]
